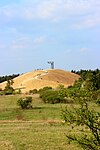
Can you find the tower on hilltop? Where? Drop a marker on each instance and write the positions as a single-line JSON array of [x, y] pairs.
[[52, 64]]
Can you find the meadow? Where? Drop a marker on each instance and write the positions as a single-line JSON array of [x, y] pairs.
[[39, 128]]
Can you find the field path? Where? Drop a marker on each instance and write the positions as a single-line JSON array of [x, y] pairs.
[[34, 121]]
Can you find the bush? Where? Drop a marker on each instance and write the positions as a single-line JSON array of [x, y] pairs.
[[25, 103], [34, 91], [98, 101], [44, 89], [1, 93], [8, 88], [8, 91], [51, 96]]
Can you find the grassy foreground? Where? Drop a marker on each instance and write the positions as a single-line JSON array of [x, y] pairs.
[[38, 129]]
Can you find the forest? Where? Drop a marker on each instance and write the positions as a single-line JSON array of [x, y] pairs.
[[8, 77]]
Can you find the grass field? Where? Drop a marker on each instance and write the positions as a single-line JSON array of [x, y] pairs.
[[38, 129]]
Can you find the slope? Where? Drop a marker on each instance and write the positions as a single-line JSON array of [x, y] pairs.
[[41, 78]]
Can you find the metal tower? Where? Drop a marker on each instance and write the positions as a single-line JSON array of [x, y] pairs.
[[52, 64]]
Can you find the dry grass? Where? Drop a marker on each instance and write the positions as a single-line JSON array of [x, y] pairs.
[[41, 78]]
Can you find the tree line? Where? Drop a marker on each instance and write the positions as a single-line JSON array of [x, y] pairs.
[[8, 77], [89, 78]]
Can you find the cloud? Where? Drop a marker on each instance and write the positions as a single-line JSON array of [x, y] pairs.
[[45, 9], [27, 42], [54, 10], [39, 40], [2, 46], [84, 50], [89, 21], [61, 9], [8, 12]]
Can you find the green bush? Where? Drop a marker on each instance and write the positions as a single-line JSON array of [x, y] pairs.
[[98, 101], [1, 93], [51, 96], [34, 91], [44, 89], [8, 90], [25, 103]]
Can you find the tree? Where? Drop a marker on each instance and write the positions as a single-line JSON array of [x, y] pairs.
[[8, 88], [89, 122], [9, 77]]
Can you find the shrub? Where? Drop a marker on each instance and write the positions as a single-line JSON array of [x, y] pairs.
[[8, 88], [25, 103], [34, 91], [51, 96], [17, 91], [44, 89], [8, 91], [98, 101], [1, 93]]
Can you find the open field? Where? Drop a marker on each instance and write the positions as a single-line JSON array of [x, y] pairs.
[[38, 129], [33, 136]]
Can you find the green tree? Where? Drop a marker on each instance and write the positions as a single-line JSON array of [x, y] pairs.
[[89, 123], [8, 88]]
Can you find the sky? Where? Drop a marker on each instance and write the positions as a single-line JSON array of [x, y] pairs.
[[33, 32]]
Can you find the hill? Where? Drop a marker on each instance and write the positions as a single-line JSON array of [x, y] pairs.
[[41, 78]]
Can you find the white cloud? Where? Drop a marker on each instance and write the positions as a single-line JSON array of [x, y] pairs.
[[89, 21], [9, 12], [84, 49], [54, 10], [39, 40], [27, 42], [2, 46], [44, 9]]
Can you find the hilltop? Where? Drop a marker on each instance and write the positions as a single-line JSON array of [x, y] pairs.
[[41, 78]]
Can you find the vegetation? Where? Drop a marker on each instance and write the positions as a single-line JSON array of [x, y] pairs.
[[89, 123], [34, 91], [30, 129], [9, 77], [50, 96], [25, 103], [8, 88], [79, 121], [88, 87], [44, 89], [18, 127], [84, 91], [90, 79]]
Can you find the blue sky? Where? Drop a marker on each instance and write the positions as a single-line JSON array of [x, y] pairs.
[[33, 32]]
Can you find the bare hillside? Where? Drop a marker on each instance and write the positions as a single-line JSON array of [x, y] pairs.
[[41, 78]]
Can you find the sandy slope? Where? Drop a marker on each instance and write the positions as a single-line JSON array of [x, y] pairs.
[[41, 78]]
